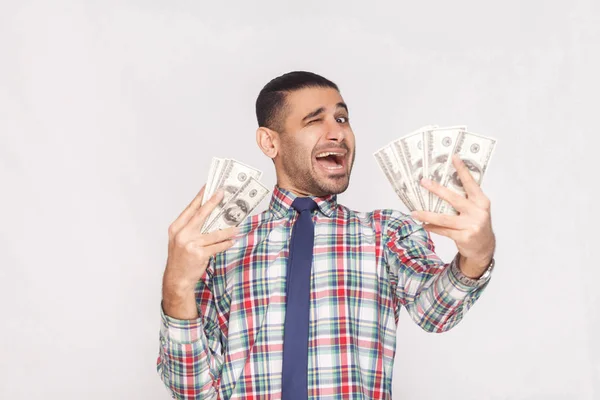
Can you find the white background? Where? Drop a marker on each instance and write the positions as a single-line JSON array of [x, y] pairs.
[[111, 110]]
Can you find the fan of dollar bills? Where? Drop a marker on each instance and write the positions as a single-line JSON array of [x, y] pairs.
[[242, 193], [427, 152]]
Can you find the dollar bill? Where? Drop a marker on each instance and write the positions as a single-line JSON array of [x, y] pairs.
[[439, 145], [427, 152], [409, 150], [476, 152], [222, 165], [210, 182], [393, 171], [239, 206], [232, 175]]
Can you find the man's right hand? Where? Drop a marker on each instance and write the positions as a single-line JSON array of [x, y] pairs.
[[189, 253]]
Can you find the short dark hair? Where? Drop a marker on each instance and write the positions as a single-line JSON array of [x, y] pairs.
[[271, 102]]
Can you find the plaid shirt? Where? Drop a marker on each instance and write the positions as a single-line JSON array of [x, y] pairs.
[[366, 265]]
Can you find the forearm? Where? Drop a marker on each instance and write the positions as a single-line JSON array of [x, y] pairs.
[[187, 364], [435, 294], [178, 302], [443, 301], [191, 355]]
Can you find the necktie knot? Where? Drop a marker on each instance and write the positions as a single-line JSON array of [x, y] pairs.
[[304, 203]]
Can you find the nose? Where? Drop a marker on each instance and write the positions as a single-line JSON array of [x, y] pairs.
[[335, 131]]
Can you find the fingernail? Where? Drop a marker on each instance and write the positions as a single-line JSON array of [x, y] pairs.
[[426, 181]]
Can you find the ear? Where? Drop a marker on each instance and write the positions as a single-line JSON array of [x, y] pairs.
[[268, 141]]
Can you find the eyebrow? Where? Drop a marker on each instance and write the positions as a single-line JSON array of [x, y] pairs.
[[321, 109]]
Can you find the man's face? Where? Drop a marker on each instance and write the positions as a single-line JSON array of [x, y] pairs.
[[316, 151]]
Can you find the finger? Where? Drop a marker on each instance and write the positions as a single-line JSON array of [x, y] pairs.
[[219, 236], [189, 211], [449, 233], [204, 211], [218, 247], [457, 201], [443, 220], [468, 182]]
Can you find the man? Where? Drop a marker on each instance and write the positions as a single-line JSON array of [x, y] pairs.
[[302, 300]]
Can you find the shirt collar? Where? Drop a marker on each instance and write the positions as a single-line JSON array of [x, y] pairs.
[[281, 202]]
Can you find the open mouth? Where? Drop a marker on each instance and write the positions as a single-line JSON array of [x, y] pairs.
[[332, 160]]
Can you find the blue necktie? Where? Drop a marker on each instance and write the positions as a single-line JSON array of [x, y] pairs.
[[295, 337]]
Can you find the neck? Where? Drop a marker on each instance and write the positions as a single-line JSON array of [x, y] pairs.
[[283, 182], [295, 190]]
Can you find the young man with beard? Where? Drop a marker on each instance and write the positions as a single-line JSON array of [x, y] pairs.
[[302, 300]]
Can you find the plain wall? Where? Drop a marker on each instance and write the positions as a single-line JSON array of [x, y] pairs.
[[111, 110]]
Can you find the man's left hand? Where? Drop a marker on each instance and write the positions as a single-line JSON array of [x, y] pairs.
[[471, 229]]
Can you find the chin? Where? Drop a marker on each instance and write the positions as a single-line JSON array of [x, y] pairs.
[[332, 186], [331, 173]]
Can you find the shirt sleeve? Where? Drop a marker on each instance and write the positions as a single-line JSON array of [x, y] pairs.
[[427, 287], [190, 354]]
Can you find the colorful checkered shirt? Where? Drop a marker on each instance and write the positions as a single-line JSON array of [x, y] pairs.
[[366, 265]]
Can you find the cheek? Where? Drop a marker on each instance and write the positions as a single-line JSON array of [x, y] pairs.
[[300, 150], [351, 139]]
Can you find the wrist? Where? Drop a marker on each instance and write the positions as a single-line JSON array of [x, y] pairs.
[[470, 282], [178, 298], [174, 284], [179, 304], [473, 268]]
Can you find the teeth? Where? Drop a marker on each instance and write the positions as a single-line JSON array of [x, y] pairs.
[[328, 153]]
